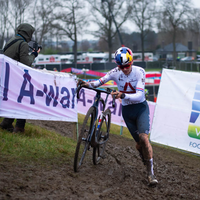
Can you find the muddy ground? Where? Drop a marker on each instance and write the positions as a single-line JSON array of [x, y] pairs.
[[121, 175]]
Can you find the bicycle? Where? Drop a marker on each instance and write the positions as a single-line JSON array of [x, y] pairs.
[[95, 130]]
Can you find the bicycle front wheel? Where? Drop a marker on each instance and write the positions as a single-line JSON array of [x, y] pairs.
[[102, 134], [83, 143]]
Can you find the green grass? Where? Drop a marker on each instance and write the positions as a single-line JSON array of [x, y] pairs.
[[35, 144], [153, 70], [38, 144]]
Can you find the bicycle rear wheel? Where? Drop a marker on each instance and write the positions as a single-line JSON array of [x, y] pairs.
[[83, 140], [103, 130]]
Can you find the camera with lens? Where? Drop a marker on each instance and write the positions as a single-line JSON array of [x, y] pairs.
[[36, 46]]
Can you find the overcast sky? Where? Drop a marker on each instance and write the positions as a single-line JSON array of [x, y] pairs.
[[196, 3], [126, 25]]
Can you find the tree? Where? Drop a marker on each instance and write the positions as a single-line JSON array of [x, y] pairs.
[[85, 45], [43, 16], [103, 45], [12, 14], [109, 17], [174, 16], [143, 13], [193, 26], [72, 21], [3, 21], [64, 47], [17, 11]]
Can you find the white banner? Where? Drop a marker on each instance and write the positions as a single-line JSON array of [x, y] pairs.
[[176, 120], [27, 93], [87, 98]]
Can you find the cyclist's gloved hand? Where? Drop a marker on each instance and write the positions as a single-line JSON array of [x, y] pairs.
[[82, 83], [86, 84], [114, 93], [79, 82], [117, 94]]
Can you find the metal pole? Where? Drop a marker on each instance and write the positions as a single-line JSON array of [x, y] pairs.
[[121, 130]]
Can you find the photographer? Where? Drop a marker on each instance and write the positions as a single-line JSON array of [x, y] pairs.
[[17, 48]]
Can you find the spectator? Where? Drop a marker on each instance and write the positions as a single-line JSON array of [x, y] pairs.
[[17, 48]]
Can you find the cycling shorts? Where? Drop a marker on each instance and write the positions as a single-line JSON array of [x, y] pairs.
[[136, 117]]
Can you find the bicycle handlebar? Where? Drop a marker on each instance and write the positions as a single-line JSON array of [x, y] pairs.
[[107, 91]]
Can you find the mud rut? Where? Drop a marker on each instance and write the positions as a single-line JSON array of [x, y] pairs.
[[121, 175]]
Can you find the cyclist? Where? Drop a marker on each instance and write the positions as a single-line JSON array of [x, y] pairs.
[[130, 81]]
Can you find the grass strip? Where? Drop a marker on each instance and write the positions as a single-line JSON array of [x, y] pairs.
[[35, 144]]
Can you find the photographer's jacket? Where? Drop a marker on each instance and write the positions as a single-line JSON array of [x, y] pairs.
[[17, 47]]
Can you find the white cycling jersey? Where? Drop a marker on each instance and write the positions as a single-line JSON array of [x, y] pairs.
[[132, 84]]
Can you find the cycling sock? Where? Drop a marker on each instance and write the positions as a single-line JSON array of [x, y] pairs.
[[151, 162], [150, 167]]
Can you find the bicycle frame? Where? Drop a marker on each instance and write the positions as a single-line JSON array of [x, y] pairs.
[[92, 133], [97, 100], [100, 118], [93, 139]]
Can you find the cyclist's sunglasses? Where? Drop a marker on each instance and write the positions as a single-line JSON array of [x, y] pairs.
[[124, 66]]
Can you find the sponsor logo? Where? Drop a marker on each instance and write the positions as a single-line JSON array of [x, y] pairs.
[[194, 145], [194, 123]]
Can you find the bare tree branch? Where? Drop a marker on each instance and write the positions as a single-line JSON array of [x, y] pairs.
[[104, 15], [72, 21], [174, 16], [143, 13]]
